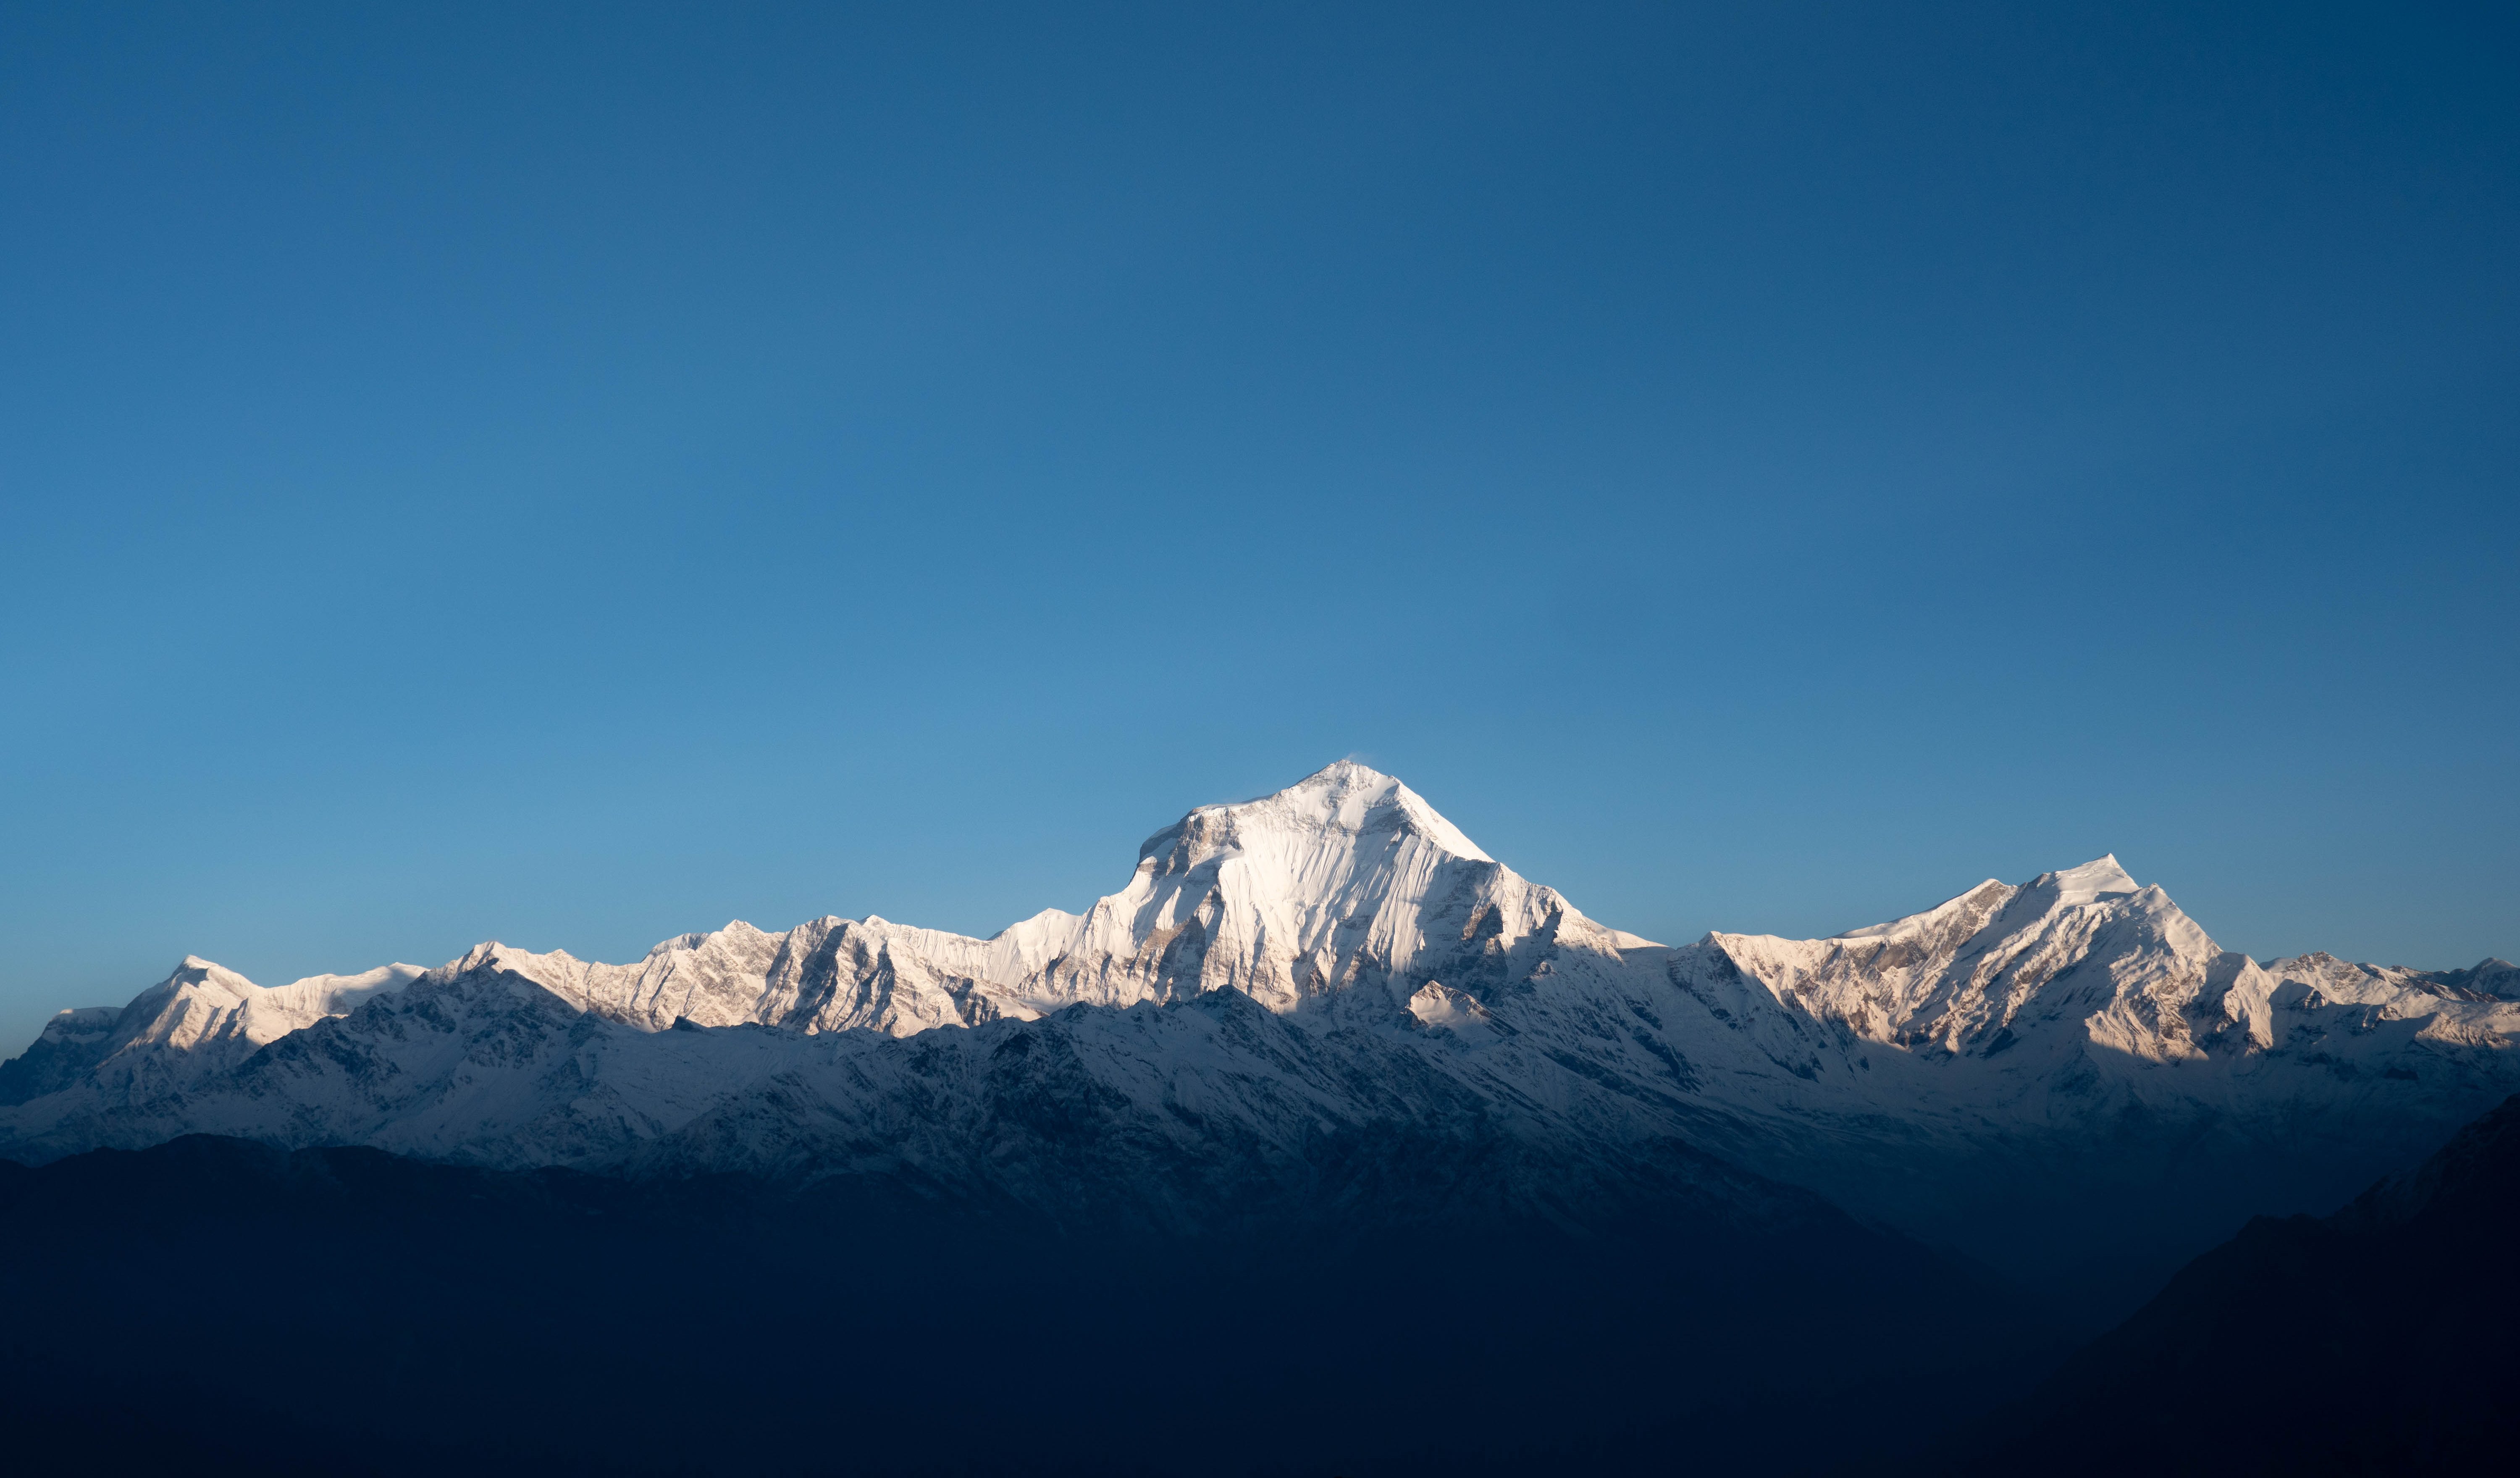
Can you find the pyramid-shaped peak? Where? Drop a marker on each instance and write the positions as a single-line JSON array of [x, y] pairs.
[[2081, 885], [1345, 797], [197, 971], [1356, 798], [1345, 783]]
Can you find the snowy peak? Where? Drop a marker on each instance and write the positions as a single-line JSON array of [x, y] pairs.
[[1963, 914], [1350, 797], [2093, 882], [203, 1001], [2085, 966], [71, 1044], [198, 974], [201, 1019], [1345, 877], [2490, 977], [1341, 804], [2333, 980], [1982, 973]]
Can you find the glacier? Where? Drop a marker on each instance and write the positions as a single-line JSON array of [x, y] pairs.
[[1315, 995]]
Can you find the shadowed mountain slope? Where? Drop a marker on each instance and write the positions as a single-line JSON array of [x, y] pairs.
[[2377, 1340], [353, 1310]]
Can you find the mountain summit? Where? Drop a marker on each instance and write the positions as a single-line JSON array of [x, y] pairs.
[[2070, 1062]]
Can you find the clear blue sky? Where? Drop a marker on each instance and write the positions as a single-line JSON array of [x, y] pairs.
[[576, 474]]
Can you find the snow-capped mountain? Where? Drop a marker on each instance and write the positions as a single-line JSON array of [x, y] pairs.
[[197, 1022], [1310, 993]]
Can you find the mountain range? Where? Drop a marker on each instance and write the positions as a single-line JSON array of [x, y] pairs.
[[1321, 997]]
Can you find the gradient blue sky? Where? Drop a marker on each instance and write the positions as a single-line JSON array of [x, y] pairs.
[[576, 474]]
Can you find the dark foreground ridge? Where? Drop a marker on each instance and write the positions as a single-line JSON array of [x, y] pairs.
[[2377, 1340], [219, 1306]]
